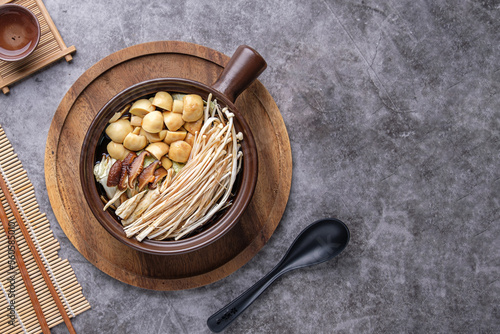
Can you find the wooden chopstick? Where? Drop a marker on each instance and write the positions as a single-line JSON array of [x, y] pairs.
[[24, 274], [37, 258]]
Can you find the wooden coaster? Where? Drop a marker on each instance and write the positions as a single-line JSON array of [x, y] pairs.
[[50, 48], [69, 126]]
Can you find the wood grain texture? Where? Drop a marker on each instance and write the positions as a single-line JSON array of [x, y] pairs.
[[50, 49], [71, 121]]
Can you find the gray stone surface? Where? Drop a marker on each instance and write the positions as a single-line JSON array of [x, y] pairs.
[[392, 109]]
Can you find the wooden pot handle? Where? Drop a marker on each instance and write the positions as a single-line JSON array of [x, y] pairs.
[[243, 68]]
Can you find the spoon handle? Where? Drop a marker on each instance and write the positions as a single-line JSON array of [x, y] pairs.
[[222, 318]]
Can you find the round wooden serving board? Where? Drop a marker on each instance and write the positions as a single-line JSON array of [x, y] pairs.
[[67, 131]]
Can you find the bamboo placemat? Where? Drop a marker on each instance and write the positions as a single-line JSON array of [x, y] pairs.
[[50, 48], [59, 270]]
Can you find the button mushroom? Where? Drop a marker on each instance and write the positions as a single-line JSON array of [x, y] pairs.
[[158, 150], [192, 127], [179, 151], [142, 107], [163, 100], [117, 151], [118, 130], [136, 168], [173, 120], [119, 114], [193, 108], [153, 122], [154, 137], [162, 134], [174, 136], [134, 141]]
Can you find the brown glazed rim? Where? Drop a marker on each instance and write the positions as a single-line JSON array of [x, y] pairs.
[[225, 222], [29, 13]]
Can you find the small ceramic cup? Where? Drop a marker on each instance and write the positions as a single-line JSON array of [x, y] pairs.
[[19, 32]]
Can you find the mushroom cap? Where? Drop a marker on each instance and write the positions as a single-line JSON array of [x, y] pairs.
[[147, 175], [158, 149], [114, 174], [135, 142], [192, 127], [142, 107], [136, 168], [117, 151], [118, 130], [124, 175], [174, 136], [154, 137], [173, 120], [193, 108], [179, 151], [119, 114], [153, 122], [163, 100], [159, 174]]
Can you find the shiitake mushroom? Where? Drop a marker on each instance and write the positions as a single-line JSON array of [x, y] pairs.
[[122, 185], [159, 174], [114, 174], [147, 175], [136, 168]]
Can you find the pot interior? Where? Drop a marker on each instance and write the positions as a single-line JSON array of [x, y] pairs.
[[95, 145]]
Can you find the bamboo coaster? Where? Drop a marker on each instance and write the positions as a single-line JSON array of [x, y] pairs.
[[50, 48], [23, 318]]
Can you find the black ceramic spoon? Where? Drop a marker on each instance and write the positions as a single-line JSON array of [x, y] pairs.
[[317, 243]]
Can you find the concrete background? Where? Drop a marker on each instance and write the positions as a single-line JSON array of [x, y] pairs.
[[392, 109]]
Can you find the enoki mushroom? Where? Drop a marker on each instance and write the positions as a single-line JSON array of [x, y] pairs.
[[200, 189]]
